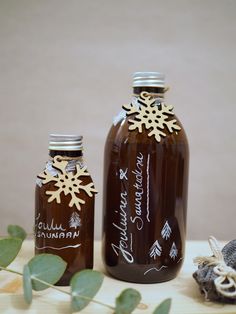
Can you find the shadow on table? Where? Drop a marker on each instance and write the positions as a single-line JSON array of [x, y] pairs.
[[189, 288]]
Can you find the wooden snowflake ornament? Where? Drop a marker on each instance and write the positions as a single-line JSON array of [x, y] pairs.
[[152, 116], [67, 183]]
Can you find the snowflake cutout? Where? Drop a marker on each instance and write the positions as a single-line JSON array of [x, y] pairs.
[[153, 117], [67, 183]]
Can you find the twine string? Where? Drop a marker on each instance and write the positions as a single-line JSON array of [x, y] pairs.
[[156, 95], [225, 282], [66, 158]]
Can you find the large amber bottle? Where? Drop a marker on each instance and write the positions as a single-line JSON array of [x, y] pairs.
[[145, 187], [64, 206]]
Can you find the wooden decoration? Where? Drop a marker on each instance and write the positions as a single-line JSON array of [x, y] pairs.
[[67, 183], [152, 116]]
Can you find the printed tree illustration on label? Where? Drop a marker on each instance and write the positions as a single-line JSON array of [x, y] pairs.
[[155, 250], [75, 220], [173, 251], [166, 231], [152, 116], [67, 183]]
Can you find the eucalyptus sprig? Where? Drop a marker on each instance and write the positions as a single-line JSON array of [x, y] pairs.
[[44, 270]]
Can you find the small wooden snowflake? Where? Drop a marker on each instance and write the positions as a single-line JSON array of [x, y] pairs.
[[67, 183], [152, 116]]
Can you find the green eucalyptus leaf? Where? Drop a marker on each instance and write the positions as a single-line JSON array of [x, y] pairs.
[[46, 267], [9, 248], [163, 308], [85, 283], [27, 285], [16, 232], [127, 301]]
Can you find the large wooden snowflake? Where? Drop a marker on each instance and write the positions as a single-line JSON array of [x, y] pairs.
[[153, 117], [67, 183]]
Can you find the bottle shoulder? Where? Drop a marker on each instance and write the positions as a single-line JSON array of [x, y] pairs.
[[120, 133]]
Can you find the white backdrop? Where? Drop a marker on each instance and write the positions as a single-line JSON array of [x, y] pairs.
[[66, 66]]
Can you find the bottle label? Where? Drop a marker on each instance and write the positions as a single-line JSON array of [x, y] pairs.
[[139, 216], [53, 230]]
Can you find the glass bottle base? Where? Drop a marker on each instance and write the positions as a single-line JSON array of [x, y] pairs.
[[146, 275]]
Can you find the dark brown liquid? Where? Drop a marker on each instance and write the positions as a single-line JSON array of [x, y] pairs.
[[145, 189], [53, 230]]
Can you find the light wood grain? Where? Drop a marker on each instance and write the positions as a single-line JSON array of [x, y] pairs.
[[183, 290]]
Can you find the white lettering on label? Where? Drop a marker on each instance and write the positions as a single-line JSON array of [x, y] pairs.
[[125, 244], [138, 172], [52, 230]]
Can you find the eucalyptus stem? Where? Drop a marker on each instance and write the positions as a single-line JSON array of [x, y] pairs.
[[11, 271], [28, 235], [95, 301], [50, 285], [68, 293], [58, 289]]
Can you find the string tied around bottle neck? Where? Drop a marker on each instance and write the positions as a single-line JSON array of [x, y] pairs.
[[156, 95], [66, 158]]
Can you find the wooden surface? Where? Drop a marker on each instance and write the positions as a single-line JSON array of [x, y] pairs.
[[183, 290]]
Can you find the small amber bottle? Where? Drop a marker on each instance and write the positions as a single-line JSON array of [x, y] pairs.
[[64, 206], [145, 187]]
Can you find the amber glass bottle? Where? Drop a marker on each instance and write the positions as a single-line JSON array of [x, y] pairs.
[[145, 195], [64, 211]]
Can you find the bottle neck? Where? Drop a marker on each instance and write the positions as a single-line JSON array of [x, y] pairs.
[[66, 153], [156, 92]]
